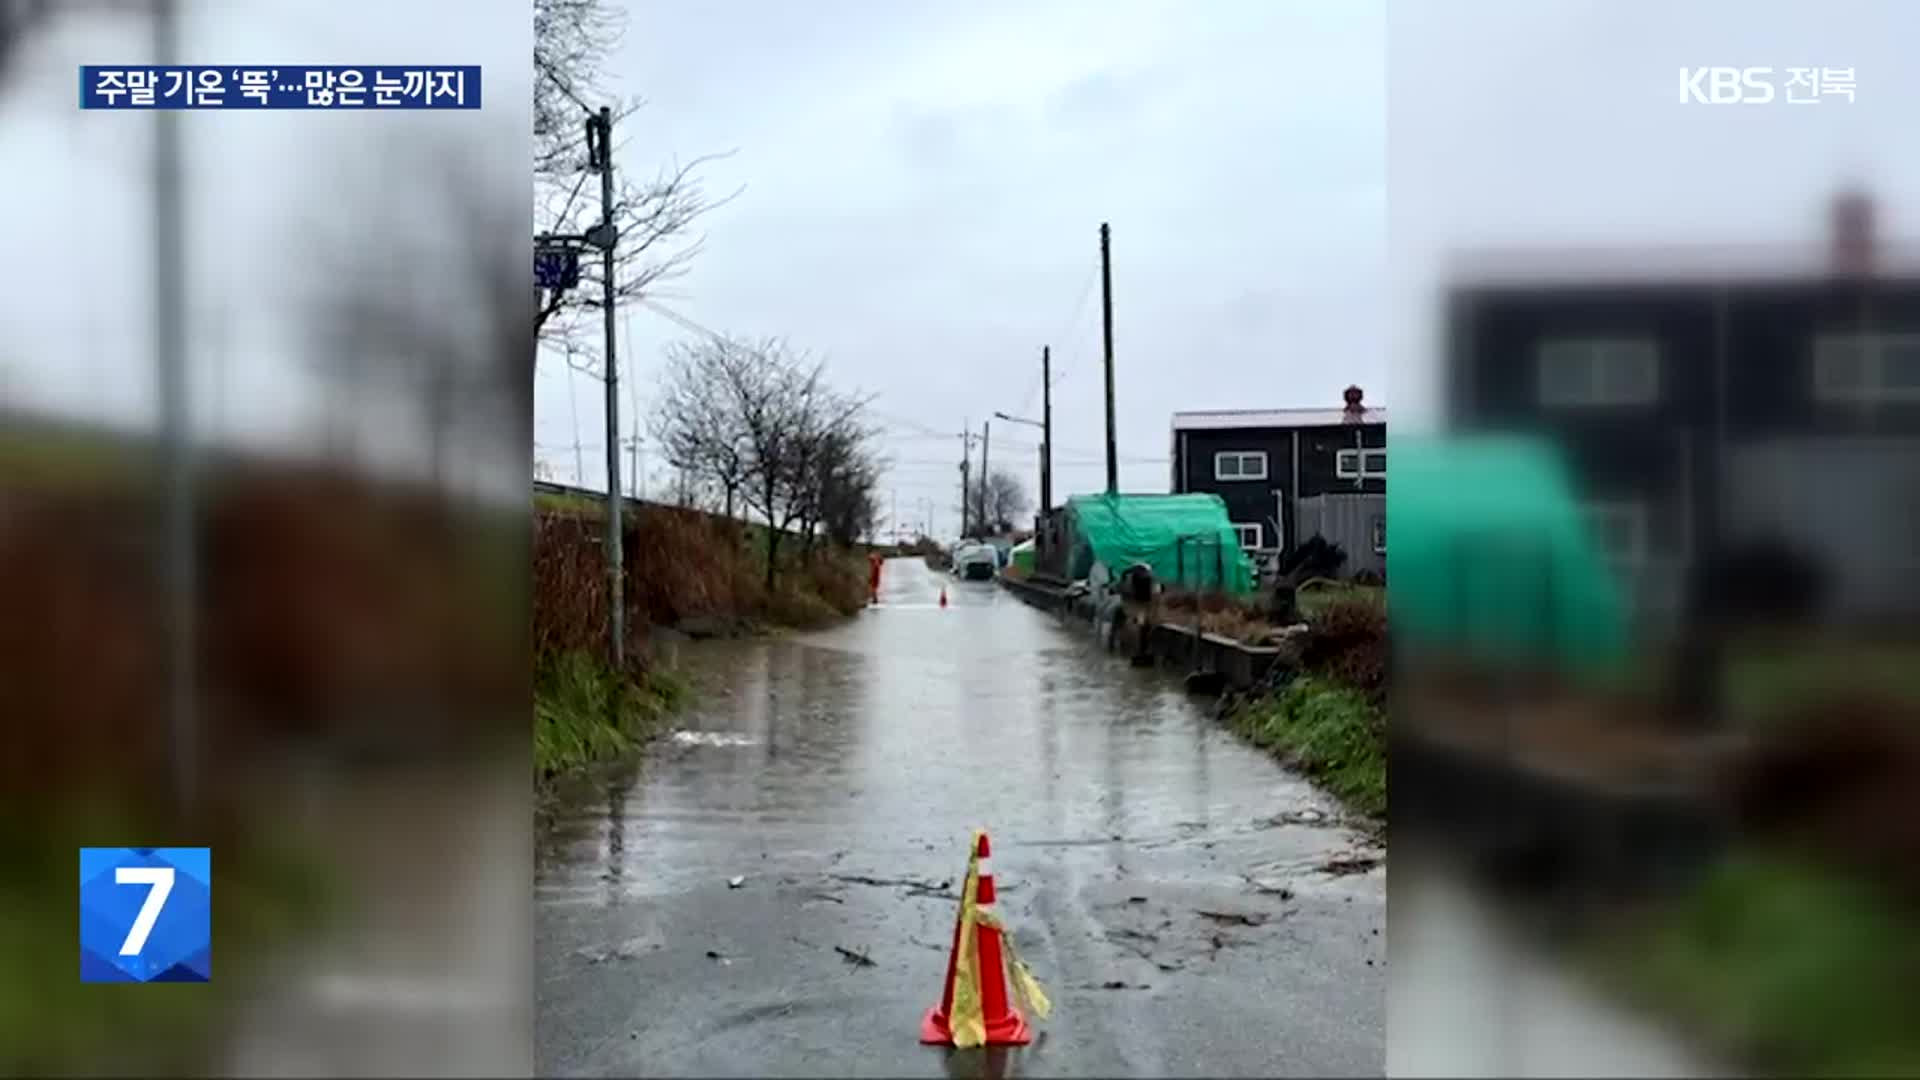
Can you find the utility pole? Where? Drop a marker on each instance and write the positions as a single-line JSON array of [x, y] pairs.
[[170, 360], [1106, 313], [966, 489], [1046, 428], [600, 131], [986, 435]]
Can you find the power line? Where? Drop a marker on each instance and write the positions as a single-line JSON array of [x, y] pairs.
[[1072, 323]]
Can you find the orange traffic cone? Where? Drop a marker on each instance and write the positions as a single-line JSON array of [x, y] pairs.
[[943, 596], [974, 1008]]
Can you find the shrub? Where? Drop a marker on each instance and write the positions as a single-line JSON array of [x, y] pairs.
[[1347, 642], [573, 701]]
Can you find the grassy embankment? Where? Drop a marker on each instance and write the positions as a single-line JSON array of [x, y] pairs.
[[323, 596], [681, 565], [1799, 950], [1781, 961], [1329, 720]]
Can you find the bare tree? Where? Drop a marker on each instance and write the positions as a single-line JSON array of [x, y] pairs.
[[999, 502], [573, 40], [839, 495], [19, 19], [452, 350], [698, 425], [849, 497]]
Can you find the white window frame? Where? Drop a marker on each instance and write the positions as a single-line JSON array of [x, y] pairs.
[[1378, 529], [1351, 463], [1595, 354], [1873, 348], [1259, 534], [1243, 456], [1634, 512]]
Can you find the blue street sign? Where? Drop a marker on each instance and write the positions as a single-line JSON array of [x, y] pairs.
[[556, 268]]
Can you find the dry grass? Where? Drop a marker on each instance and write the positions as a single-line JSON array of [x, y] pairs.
[[680, 564], [322, 600], [1212, 613]]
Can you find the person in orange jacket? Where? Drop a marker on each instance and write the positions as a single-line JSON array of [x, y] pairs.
[[874, 562]]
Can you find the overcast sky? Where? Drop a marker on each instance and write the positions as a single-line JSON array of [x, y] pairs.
[[924, 184], [924, 189], [272, 198]]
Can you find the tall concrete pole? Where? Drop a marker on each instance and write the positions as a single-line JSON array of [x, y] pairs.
[[170, 361], [616, 570], [1046, 428], [1106, 304]]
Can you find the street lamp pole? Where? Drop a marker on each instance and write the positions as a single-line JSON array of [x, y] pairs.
[[1046, 481]]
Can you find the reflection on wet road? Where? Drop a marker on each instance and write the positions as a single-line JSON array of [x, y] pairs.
[[1162, 879]]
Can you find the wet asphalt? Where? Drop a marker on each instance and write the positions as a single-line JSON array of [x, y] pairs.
[[772, 890]]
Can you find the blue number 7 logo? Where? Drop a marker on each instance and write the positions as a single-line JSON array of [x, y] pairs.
[[160, 934]]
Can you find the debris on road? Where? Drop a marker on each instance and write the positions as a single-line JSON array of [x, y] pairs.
[[725, 960], [1267, 888], [1235, 918], [1350, 864], [626, 950], [736, 882], [857, 959], [1136, 899], [1115, 984], [1307, 817], [931, 888]]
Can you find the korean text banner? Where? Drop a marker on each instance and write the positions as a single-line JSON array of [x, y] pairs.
[[259, 86]]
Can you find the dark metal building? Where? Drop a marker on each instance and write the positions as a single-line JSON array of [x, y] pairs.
[[1706, 396], [1287, 474]]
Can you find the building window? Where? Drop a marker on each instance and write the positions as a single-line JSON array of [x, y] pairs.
[[1620, 531], [1866, 367], [1240, 465], [1599, 371], [1379, 536], [1358, 464], [1250, 535]]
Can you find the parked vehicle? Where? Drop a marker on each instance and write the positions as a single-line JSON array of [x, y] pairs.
[[976, 562]]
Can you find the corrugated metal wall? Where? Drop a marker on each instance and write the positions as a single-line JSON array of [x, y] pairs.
[[1855, 504], [1347, 520]]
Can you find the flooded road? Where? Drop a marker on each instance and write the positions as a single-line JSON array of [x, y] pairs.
[[1164, 880]]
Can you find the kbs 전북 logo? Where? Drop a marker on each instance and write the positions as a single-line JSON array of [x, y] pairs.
[[146, 914]]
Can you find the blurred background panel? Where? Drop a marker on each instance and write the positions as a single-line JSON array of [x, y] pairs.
[[265, 391], [1656, 538]]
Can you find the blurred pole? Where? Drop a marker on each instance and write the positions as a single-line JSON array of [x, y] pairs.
[[1106, 308], [986, 443], [169, 340], [1046, 428], [616, 571]]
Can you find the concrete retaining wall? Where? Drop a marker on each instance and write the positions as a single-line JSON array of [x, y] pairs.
[[1174, 647]]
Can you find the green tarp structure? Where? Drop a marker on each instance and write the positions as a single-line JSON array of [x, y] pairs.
[[1022, 557], [1492, 557], [1187, 540]]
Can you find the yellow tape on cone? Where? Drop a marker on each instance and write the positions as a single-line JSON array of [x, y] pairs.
[[967, 1020]]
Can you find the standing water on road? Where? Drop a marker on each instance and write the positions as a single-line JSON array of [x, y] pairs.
[[772, 890]]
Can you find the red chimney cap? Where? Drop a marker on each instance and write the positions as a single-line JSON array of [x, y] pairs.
[[1853, 251]]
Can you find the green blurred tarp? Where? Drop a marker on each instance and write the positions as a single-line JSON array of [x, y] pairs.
[[1493, 558], [1022, 556], [1187, 540]]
